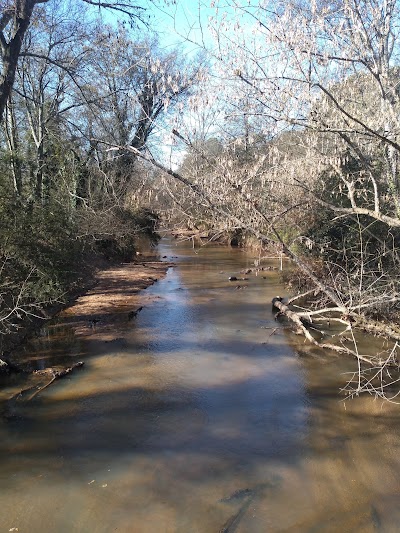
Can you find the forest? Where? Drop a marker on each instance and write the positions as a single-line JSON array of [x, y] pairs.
[[270, 124]]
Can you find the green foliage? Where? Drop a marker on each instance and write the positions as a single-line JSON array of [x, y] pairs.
[[63, 189], [44, 252], [345, 240], [39, 251]]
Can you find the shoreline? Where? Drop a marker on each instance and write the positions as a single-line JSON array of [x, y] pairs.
[[96, 311], [114, 300], [101, 313]]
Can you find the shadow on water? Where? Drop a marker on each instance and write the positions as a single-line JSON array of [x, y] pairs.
[[199, 417]]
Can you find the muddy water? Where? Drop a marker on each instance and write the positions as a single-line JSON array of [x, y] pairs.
[[204, 415]]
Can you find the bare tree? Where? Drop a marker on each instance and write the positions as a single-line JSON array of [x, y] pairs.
[[133, 99], [51, 60], [15, 19]]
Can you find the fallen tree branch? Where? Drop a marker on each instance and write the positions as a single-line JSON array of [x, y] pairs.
[[35, 389], [376, 381], [302, 326], [56, 374]]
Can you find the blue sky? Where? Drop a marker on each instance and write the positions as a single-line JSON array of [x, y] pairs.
[[176, 24]]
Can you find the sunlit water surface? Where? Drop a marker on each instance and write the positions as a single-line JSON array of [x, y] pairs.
[[206, 416]]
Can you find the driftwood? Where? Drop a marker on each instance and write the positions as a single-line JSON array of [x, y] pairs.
[[300, 323], [35, 389], [55, 374], [302, 326]]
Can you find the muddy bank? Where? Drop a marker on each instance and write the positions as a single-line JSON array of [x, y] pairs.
[[100, 315], [106, 296], [28, 325], [114, 301]]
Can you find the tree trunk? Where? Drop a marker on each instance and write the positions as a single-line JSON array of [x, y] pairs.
[[11, 50], [39, 172], [13, 146]]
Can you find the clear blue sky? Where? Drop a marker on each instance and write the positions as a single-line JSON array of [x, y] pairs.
[[183, 22], [175, 23]]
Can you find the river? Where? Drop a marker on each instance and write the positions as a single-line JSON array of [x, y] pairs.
[[205, 415]]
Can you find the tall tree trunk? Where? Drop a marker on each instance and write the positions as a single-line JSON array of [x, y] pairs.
[[11, 132], [11, 50], [39, 172]]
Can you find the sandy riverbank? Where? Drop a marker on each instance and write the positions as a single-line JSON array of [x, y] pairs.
[[115, 299], [101, 314]]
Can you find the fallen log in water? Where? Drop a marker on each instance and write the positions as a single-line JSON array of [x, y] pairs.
[[24, 394], [300, 323], [302, 326], [55, 374]]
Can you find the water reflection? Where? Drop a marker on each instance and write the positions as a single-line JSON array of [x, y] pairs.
[[198, 419]]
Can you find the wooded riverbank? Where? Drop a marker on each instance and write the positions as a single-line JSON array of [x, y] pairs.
[[99, 313]]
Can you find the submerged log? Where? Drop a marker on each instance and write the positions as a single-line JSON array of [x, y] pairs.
[[31, 392], [56, 374]]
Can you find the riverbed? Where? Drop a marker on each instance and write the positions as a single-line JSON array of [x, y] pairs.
[[202, 414]]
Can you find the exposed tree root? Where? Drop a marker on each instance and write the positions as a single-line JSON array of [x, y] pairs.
[[6, 367]]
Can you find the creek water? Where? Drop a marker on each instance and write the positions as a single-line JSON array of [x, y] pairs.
[[205, 415]]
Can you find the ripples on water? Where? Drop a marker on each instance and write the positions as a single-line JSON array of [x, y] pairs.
[[199, 418]]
